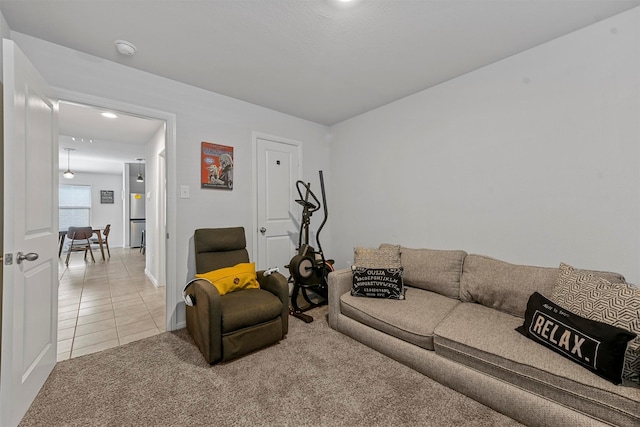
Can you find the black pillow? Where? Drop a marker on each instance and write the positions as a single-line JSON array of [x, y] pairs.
[[597, 346], [377, 283]]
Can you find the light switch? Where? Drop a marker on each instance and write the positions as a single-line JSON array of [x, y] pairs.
[[184, 191]]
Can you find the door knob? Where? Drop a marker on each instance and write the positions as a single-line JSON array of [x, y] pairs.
[[263, 230], [31, 256]]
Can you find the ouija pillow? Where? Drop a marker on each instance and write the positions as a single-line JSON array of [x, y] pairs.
[[377, 283], [597, 346], [377, 272]]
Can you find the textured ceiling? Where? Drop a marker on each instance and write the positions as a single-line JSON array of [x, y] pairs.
[[320, 60]]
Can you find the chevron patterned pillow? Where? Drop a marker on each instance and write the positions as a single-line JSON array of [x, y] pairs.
[[595, 298]]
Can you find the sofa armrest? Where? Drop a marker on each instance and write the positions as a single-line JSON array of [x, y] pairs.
[[277, 284], [204, 319], [340, 282]]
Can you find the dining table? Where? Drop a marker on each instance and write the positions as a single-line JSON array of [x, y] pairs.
[[97, 231]]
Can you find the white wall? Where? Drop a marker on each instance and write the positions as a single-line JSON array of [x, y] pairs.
[[103, 214], [532, 160], [200, 116]]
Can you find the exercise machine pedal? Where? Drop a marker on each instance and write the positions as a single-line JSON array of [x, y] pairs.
[[300, 315]]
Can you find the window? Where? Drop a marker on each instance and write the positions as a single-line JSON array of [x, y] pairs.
[[74, 207]]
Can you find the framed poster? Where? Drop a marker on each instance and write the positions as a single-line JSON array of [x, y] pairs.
[[106, 196], [216, 166]]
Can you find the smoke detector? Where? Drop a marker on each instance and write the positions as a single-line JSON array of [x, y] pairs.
[[125, 47]]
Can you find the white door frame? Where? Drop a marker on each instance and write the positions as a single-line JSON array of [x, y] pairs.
[[161, 208], [171, 186], [255, 136]]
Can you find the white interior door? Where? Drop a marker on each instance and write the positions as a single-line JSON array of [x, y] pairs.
[[278, 169], [30, 287]]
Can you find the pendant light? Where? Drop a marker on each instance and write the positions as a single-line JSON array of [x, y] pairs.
[[68, 174], [140, 178]]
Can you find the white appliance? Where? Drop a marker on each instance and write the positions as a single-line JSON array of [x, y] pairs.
[[136, 219]]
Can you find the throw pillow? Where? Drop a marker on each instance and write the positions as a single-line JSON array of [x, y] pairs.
[[433, 270], [377, 283], [383, 257], [597, 346], [240, 276], [596, 298]]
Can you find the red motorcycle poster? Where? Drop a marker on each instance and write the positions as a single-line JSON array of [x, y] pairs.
[[216, 166]]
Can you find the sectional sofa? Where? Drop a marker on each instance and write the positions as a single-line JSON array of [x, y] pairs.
[[457, 325]]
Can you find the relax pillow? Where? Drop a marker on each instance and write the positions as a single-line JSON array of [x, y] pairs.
[[377, 273], [240, 276], [597, 346], [596, 298]]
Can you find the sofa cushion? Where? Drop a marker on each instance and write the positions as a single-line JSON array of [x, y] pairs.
[[265, 307], [485, 340], [432, 269], [599, 299], [503, 286], [597, 346], [507, 287], [412, 319]]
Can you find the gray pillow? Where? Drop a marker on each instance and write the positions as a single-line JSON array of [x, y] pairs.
[[503, 286], [383, 257], [618, 304], [433, 270]]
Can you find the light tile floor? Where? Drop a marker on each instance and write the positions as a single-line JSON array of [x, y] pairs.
[[106, 303]]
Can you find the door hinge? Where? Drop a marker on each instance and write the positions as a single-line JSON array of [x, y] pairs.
[[8, 259]]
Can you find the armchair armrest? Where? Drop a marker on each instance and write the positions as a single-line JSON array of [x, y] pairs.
[[340, 282], [204, 320], [277, 284]]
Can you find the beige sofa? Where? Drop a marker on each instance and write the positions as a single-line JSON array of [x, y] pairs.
[[456, 325]]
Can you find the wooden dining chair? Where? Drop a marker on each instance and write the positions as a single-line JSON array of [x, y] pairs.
[[105, 239], [80, 242]]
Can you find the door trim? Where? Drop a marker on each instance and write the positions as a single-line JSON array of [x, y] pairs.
[[171, 290], [255, 136]]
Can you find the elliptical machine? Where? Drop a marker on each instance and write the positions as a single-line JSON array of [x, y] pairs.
[[309, 269]]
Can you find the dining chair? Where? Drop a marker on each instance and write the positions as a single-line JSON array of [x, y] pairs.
[[143, 243], [105, 239], [80, 242]]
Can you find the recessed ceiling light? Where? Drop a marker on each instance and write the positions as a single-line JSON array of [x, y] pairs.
[[74, 139], [108, 115], [345, 3]]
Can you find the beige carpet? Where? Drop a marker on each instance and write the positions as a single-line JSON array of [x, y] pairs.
[[315, 377]]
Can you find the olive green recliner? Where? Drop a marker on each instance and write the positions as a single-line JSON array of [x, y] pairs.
[[228, 326]]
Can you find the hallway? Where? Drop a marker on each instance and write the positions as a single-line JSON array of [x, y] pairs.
[[106, 303]]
